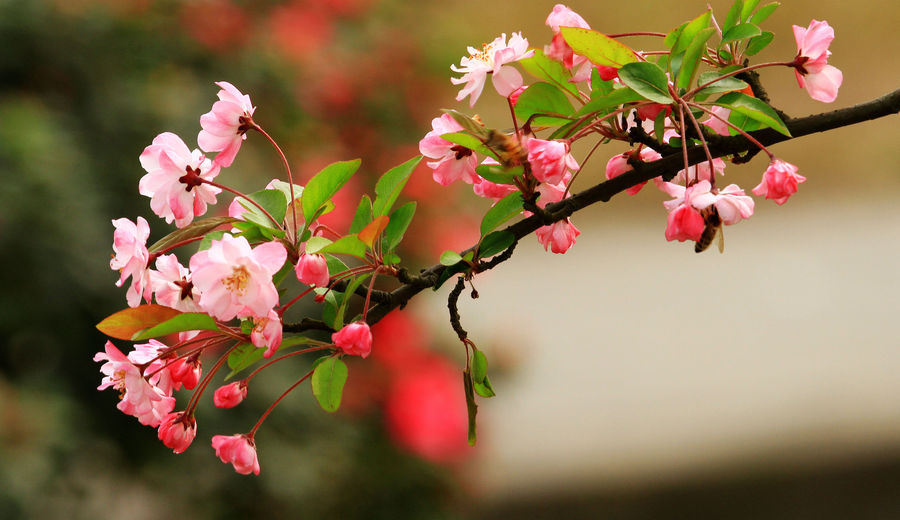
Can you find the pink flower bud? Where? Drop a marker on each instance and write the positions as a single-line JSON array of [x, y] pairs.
[[312, 270], [186, 372], [238, 450], [354, 339], [231, 395], [559, 236], [267, 333], [684, 223], [550, 160], [177, 431], [618, 165], [779, 181]]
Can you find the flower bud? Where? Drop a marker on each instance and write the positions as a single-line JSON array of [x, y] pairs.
[[312, 270], [177, 431], [231, 395], [354, 339]]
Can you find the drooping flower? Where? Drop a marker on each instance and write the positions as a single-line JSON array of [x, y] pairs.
[[235, 280], [267, 333], [177, 431], [230, 395], [618, 164], [732, 204], [226, 125], [137, 396], [820, 80], [131, 258], [171, 285], [173, 179], [559, 236], [684, 221], [185, 371], [355, 339], [562, 16], [779, 181], [492, 59], [238, 450], [312, 269], [453, 161], [550, 160]]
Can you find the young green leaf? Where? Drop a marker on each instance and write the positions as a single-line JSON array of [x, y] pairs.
[[128, 322], [494, 243], [599, 48], [316, 244], [692, 57], [549, 70], [272, 201], [363, 215], [450, 258], [179, 323], [484, 389], [616, 98], [740, 32], [648, 80], [324, 185], [390, 185], [328, 378], [734, 15], [759, 43], [193, 230], [689, 32], [754, 109], [729, 84], [599, 86], [348, 295], [396, 228], [347, 245], [543, 98], [505, 209], [243, 356], [479, 366], [763, 13], [747, 10], [499, 174]]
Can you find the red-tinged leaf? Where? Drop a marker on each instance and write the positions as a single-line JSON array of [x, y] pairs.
[[126, 323], [598, 47], [373, 230]]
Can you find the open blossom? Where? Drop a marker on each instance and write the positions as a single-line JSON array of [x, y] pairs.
[[562, 16], [226, 125], [779, 181], [173, 179], [238, 450], [453, 162], [230, 395], [492, 59], [550, 160], [813, 72], [177, 431], [172, 285], [684, 221], [131, 258], [731, 203], [618, 164], [137, 396], [312, 269], [267, 333], [235, 280], [354, 339]]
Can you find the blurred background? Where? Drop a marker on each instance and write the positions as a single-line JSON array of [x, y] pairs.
[[635, 379]]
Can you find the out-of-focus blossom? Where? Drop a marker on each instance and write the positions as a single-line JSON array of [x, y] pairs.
[[550, 160], [559, 236], [453, 162], [230, 395], [312, 269], [137, 396], [177, 431], [131, 258], [235, 280], [813, 72], [618, 164], [514, 97], [226, 125], [559, 49], [267, 333], [238, 450], [173, 179], [355, 339], [779, 181], [171, 285], [492, 59]]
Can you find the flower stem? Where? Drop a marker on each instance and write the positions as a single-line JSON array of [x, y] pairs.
[[252, 431], [287, 167], [239, 194]]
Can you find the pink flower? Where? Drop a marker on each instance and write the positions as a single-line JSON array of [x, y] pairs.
[[731, 204], [355, 339], [492, 59], [177, 431], [238, 450], [453, 161], [492, 190], [226, 125], [173, 180], [130, 245], [618, 164], [172, 286], [267, 333], [559, 236], [716, 124], [562, 16], [701, 171], [779, 181], [185, 371], [230, 395], [550, 160], [137, 396], [235, 280], [811, 65], [514, 97], [684, 223], [312, 269]]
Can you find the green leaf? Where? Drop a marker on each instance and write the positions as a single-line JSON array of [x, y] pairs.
[[759, 43], [543, 98], [179, 323], [499, 174], [450, 258], [324, 185], [672, 37], [243, 356], [335, 265], [763, 13], [692, 56], [469, 141], [207, 241], [599, 86], [754, 109], [733, 16], [494, 243], [128, 322], [599, 48], [747, 10], [648, 80], [448, 272], [329, 308], [193, 230], [363, 215], [503, 210], [479, 366], [471, 407], [549, 70], [740, 32], [659, 126], [328, 378], [390, 259], [484, 389], [348, 245], [348, 295], [689, 32], [396, 228], [729, 84], [272, 201], [469, 125], [316, 244], [390, 185], [616, 98]]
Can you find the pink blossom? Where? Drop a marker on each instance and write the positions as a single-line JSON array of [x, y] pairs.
[[684, 223], [550, 160], [559, 236], [226, 125], [618, 164], [492, 59], [130, 245], [492, 190], [312, 269], [235, 280], [137, 396], [716, 124], [562, 16], [453, 161], [230, 395], [701, 171], [779, 181], [177, 431], [185, 371], [172, 286], [173, 179], [732, 204], [267, 333], [821, 80], [238, 450], [355, 339], [514, 97]]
